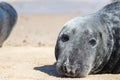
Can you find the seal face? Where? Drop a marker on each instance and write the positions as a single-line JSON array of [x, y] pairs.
[[8, 18], [90, 44]]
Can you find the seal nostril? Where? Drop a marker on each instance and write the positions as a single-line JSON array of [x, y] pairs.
[[64, 69], [77, 71], [64, 37]]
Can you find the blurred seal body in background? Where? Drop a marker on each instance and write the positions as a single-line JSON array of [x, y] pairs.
[[8, 18]]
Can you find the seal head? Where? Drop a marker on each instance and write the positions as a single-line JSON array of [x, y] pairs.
[[82, 46]]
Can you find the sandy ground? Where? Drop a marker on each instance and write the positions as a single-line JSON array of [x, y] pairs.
[[28, 54], [37, 30], [35, 63]]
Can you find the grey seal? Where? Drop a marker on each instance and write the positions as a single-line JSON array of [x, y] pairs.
[[90, 44], [8, 18]]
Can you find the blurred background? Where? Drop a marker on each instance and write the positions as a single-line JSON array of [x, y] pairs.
[[40, 21], [57, 6]]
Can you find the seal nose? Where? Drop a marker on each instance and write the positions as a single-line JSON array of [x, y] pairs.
[[68, 70]]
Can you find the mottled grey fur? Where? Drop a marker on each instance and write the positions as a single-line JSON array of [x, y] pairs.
[[8, 18], [90, 44], [115, 0]]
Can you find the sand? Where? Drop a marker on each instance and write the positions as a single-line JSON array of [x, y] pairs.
[[35, 63], [38, 30], [28, 54]]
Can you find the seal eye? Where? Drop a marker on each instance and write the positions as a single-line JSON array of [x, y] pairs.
[[64, 37], [92, 42]]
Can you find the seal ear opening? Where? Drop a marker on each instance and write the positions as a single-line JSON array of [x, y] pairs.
[[100, 35]]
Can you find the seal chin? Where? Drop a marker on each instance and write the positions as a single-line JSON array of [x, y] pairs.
[[78, 75], [75, 76]]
